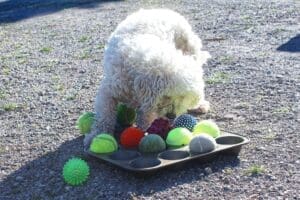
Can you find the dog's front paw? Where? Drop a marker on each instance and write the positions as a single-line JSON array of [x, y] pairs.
[[88, 140], [202, 108]]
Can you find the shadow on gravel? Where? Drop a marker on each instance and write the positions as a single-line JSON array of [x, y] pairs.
[[41, 178], [15, 10], [293, 45]]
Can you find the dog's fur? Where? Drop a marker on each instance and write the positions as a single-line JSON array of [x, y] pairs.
[[152, 62]]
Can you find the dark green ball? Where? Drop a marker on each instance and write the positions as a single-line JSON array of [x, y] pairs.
[[152, 143], [126, 116]]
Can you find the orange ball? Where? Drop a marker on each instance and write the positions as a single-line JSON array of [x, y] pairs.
[[131, 137]]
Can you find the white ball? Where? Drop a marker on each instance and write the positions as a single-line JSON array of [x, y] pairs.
[[202, 143]]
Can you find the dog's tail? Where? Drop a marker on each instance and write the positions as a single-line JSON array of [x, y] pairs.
[[188, 42]]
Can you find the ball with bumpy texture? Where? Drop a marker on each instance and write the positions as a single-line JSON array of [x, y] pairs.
[[160, 126], [131, 137], [75, 171], [85, 122], [185, 121], [125, 116], [207, 127], [202, 144], [103, 143], [179, 137], [152, 143]]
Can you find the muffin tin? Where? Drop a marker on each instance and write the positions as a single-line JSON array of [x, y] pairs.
[[134, 161]]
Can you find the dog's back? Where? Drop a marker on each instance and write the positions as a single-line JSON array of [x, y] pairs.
[[149, 44]]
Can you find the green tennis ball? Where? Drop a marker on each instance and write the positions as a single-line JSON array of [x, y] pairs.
[[179, 137], [125, 116], [207, 127], [152, 143], [85, 122], [104, 143], [75, 171]]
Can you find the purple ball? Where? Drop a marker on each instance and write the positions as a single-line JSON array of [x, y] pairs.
[[161, 127]]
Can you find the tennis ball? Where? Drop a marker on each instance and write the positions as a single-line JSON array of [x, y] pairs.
[[125, 116], [202, 143], [131, 137], [160, 126], [179, 137], [85, 122], [152, 143], [207, 127], [185, 121], [75, 171], [104, 143]]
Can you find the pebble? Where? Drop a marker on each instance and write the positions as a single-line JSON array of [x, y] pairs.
[[19, 178], [82, 71], [230, 117], [208, 170], [226, 188]]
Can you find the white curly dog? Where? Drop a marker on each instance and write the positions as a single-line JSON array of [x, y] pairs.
[[152, 62]]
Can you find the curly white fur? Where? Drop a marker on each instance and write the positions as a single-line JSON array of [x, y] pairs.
[[152, 62]]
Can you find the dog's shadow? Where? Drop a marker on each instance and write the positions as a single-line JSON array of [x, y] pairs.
[[41, 178], [16, 10], [293, 45]]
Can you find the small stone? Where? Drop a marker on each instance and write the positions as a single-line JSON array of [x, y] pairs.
[[229, 117], [226, 188], [260, 148], [208, 170], [82, 71], [19, 178], [226, 180], [67, 188]]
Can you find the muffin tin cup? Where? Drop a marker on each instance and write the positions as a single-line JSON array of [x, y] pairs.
[[174, 154], [147, 164], [229, 140], [124, 155]]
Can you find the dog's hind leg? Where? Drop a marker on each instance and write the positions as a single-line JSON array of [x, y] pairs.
[[202, 108], [105, 110]]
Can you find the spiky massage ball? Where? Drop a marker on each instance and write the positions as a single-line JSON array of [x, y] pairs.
[[125, 115], [185, 121], [76, 171]]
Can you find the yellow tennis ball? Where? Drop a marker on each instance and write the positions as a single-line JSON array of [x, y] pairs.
[[104, 143], [179, 137], [207, 127]]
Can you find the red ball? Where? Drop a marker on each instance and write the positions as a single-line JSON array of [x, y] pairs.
[[131, 137]]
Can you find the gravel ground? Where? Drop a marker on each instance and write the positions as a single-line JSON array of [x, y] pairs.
[[51, 55]]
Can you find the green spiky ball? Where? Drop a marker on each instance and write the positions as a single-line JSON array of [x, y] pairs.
[[76, 171], [85, 122], [126, 116]]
